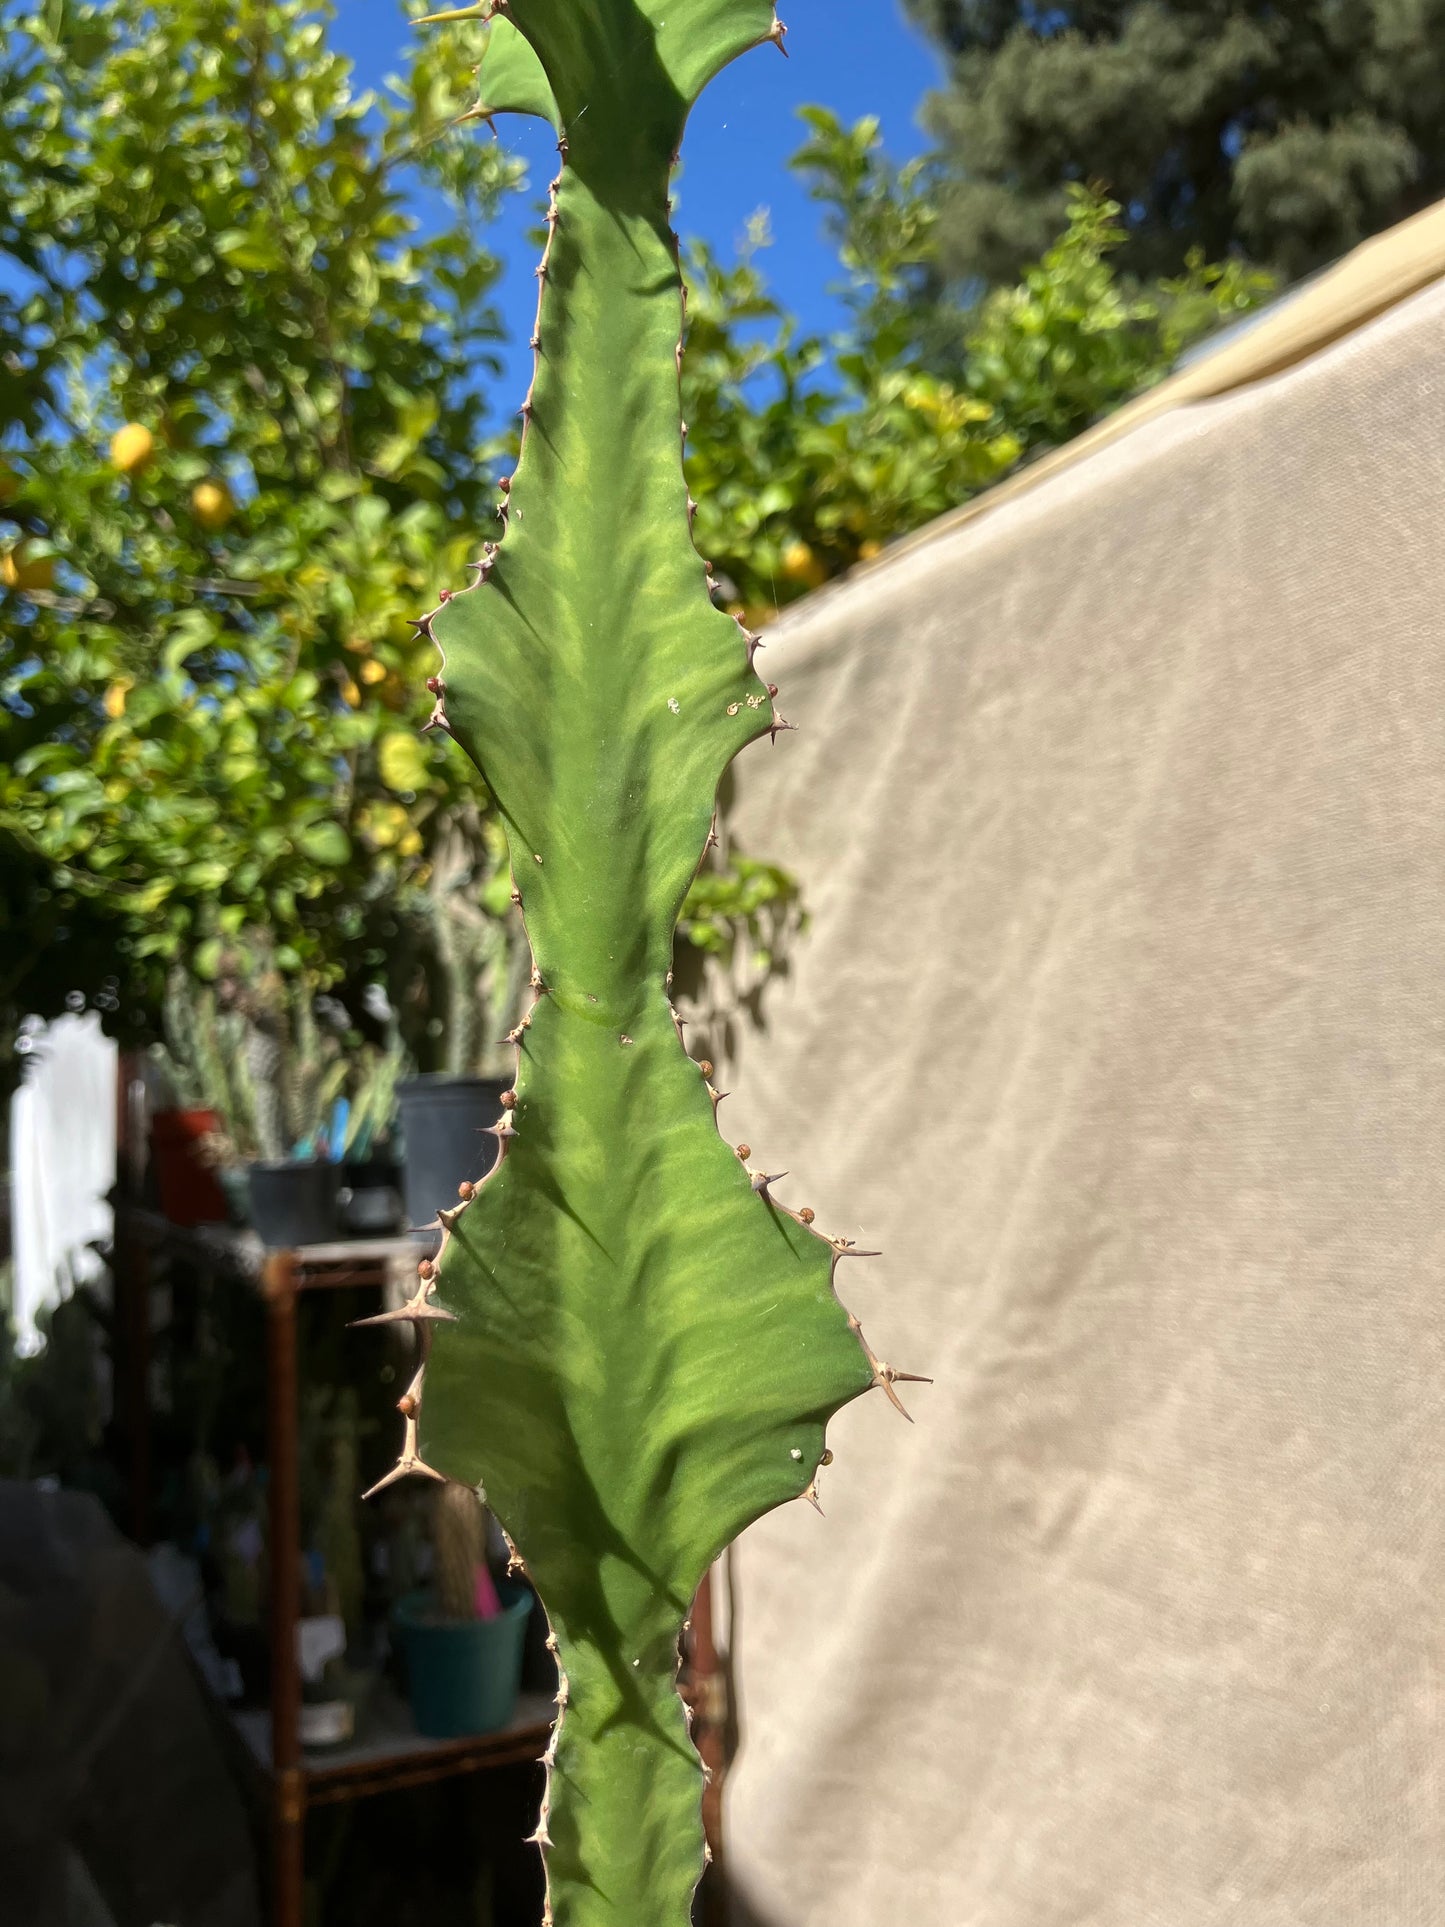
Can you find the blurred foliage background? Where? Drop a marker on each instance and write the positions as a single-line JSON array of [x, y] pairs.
[[249, 429]]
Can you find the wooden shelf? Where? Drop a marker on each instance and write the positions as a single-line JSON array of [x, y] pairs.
[[221, 1247], [392, 1754], [385, 1271]]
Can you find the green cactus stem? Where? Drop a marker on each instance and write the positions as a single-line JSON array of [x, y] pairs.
[[628, 1341]]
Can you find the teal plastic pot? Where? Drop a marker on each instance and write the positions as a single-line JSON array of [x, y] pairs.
[[463, 1675]]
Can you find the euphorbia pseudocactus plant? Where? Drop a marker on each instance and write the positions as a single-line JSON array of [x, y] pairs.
[[627, 1340]]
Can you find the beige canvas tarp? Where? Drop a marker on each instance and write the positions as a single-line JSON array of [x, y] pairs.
[[1120, 1027]]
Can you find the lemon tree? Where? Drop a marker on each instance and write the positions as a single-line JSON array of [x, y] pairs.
[[244, 438], [808, 455]]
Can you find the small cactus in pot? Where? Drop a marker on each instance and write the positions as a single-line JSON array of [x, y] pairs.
[[463, 1641]]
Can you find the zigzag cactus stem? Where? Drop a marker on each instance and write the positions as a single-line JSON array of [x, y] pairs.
[[627, 1340]]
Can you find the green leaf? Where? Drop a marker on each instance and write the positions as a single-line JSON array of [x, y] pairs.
[[403, 762], [325, 843], [206, 959]]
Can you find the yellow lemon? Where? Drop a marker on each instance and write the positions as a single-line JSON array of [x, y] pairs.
[[115, 697], [372, 671], [21, 570], [350, 694], [799, 564], [212, 505], [131, 448], [867, 550]]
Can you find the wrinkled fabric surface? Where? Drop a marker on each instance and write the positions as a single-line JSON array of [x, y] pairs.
[[1120, 1026]]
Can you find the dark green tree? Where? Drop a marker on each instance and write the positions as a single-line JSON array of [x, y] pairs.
[[1287, 129]]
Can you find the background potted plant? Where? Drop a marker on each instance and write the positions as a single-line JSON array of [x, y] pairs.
[[290, 1074], [192, 1078], [371, 1178], [282, 1096], [468, 971], [463, 1639]]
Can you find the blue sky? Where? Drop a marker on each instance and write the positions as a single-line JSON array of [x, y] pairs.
[[855, 56]]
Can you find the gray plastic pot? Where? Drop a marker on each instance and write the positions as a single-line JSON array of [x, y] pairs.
[[444, 1125]]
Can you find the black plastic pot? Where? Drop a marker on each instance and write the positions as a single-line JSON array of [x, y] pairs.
[[294, 1203], [443, 1125], [370, 1199]]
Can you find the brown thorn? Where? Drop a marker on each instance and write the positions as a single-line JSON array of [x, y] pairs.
[[810, 1493], [881, 1377], [397, 1473], [411, 1313], [408, 1464]]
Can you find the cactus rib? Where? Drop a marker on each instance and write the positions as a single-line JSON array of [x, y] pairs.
[[628, 1341]]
